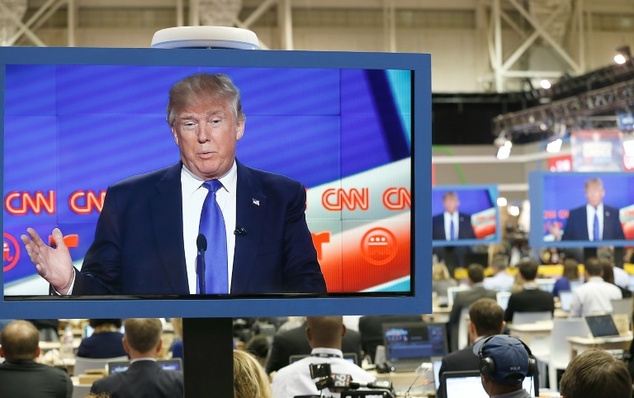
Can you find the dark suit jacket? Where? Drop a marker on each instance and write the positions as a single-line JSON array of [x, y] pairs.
[[577, 224], [295, 342], [464, 300], [28, 379], [465, 229], [143, 379], [529, 300], [457, 361], [138, 245]]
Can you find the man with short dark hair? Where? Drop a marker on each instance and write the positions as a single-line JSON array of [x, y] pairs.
[[466, 298], [144, 377], [20, 375], [596, 373], [504, 364], [596, 295], [324, 334], [530, 298], [486, 318]]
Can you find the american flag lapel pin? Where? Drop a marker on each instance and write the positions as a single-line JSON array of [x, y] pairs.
[[255, 201]]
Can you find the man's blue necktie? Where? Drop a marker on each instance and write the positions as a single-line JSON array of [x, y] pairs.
[[452, 230], [595, 226], [212, 226]]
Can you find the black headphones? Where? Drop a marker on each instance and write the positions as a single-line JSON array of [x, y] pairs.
[[487, 364]]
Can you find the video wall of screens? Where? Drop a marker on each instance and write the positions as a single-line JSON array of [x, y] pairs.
[[353, 128], [564, 206], [465, 215]]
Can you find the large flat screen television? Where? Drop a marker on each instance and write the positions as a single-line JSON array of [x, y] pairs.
[[476, 215], [353, 128], [563, 206]]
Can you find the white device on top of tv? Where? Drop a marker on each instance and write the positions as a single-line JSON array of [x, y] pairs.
[[206, 37]]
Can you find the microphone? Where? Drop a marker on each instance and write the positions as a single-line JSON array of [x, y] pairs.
[[240, 231], [201, 245]]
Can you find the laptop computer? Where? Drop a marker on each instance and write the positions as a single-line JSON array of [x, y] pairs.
[[602, 325], [503, 299], [409, 344], [168, 364], [452, 292], [565, 298], [348, 356], [468, 384]]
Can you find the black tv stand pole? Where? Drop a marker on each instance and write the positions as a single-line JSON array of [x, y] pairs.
[[208, 357]]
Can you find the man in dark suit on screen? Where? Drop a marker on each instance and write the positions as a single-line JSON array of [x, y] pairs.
[[486, 318], [451, 225], [595, 220], [144, 377], [148, 237]]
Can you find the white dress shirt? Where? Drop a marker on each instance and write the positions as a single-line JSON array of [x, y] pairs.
[[194, 195], [449, 217], [294, 379], [594, 297], [590, 210]]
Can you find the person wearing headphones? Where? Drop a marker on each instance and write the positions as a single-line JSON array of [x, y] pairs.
[[504, 363]]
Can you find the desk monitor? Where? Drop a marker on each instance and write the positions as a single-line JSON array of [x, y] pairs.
[[97, 116], [408, 344], [602, 325], [468, 383], [174, 364], [477, 221], [559, 216], [565, 298]]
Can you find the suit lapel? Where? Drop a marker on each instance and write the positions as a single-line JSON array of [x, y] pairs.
[[251, 207], [167, 218]]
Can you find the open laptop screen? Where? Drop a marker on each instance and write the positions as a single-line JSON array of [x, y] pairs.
[[468, 384], [565, 298], [602, 325], [167, 364]]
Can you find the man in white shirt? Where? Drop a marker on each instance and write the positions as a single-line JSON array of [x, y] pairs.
[[502, 280], [595, 295], [324, 334]]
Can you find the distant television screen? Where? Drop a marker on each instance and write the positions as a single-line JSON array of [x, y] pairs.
[[353, 128], [474, 213], [563, 206]]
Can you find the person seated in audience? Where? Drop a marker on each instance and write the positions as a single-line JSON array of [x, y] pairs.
[[294, 342], [596, 373], [324, 334], [20, 375], [486, 318], [177, 345], [464, 299], [144, 378], [105, 341], [371, 330], [569, 274], [441, 281], [249, 379], [502, 280], [530, 298], [504, 364], [596, 295], [258, 346], [48, 328], [608, 276]]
